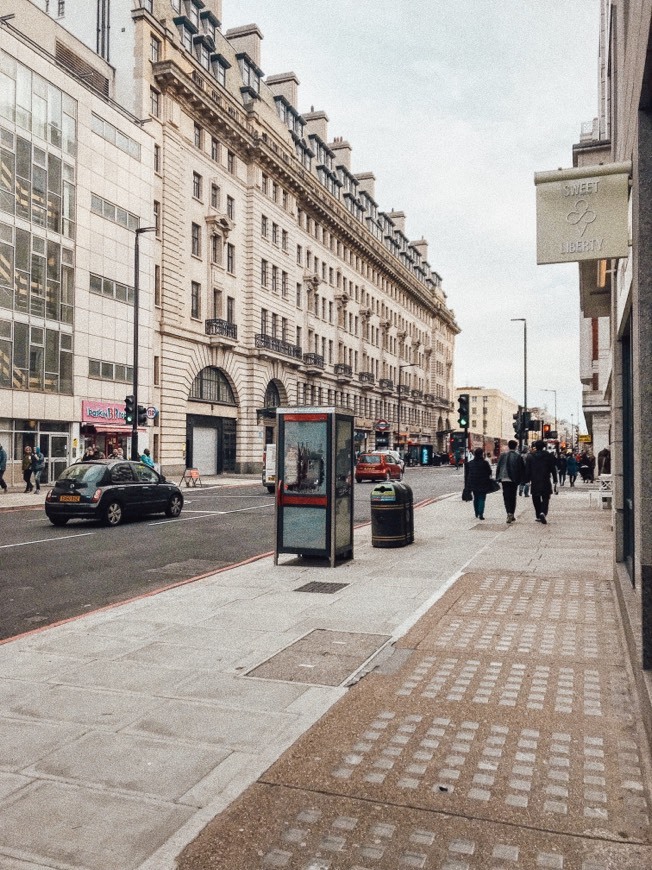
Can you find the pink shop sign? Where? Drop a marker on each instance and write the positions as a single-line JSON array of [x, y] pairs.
[[103, 412]]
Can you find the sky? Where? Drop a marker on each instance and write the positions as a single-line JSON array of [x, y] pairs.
[[454, 105]]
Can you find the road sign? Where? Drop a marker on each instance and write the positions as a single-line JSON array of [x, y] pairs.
[[151, 412], [381, 426]]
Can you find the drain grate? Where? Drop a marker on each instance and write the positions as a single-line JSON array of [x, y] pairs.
[[324, 588]]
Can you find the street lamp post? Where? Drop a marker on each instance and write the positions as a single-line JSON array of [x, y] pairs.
[[398, 404], [524, 322], [134, 424], [544, 390]]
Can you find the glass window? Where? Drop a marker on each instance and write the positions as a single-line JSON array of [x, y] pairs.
[[155, 103], [196, 240], [195, 299]]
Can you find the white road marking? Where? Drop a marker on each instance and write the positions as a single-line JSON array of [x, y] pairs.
[[45, 541], [207, 514]]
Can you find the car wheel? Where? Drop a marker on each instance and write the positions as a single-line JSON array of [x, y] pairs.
[[174, 506], [58, 521], [113, 514]]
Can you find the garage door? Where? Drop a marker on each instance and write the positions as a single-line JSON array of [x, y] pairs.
[[204, 450]]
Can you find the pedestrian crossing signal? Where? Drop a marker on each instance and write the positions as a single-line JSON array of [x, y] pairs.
[[130, 409], [463, 410]]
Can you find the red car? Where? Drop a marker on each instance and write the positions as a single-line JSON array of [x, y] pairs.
[[377, 466]]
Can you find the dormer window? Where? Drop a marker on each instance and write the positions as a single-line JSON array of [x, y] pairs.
[[220, 65], [251, 74], [176, 5]]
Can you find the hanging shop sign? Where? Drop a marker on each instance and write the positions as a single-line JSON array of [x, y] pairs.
[[582, 213]]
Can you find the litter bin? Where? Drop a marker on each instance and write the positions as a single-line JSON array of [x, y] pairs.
[[392, 515]]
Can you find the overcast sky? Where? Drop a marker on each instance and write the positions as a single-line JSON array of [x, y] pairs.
[[453, 105]]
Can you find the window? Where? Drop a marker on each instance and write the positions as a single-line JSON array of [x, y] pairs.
[[275, 234], [157, 285], [263, 226], [263, 321], [112, 289], [216, 249], [157, 158], [230, 309], [298, 295], [176, 5], [230, 259], [195, 240], [154, 103], [196, 185], [275, 279], [146, 4], [284, 240], [154, 49], [195, 299], [215, 150], [157, 371], [215, 195], [263, 273], [211, 385], [198, 135], [219, 71], [284, 284], [230, 207], [157, 218], [265, 184], [299, 255], [230, 162]]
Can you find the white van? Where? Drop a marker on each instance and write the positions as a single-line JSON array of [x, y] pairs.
[[269, 467]]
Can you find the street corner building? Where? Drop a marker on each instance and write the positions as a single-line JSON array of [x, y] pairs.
[[268, 275]]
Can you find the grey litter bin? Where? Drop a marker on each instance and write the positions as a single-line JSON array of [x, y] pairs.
[[392, 515]]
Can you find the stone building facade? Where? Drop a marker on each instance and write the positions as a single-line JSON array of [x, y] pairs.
[[278, 279]]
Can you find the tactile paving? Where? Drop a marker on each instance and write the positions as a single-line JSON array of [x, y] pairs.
[[563, 772], [300, 830]]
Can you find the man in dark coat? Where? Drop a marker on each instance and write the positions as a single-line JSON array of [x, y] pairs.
[[510, 472], [540, 467]]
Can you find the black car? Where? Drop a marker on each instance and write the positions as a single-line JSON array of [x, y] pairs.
[[109, 490]]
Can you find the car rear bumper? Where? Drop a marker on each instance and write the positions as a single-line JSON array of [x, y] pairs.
[[72, 511]]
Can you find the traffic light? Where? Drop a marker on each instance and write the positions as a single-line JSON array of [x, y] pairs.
[[463, 410], [130, 409], [142, 415], [526, 419], [546, 430], [518, 421]]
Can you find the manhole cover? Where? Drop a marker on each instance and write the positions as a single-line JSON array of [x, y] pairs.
[[325, 588]]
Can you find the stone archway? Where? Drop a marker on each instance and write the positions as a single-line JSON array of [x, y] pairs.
[[211, 430]]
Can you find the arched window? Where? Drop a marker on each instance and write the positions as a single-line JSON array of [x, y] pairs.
[[272, 396], [211, 385]]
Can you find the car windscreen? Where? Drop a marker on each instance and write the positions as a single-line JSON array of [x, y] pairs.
[[370, 459], [83, 472]]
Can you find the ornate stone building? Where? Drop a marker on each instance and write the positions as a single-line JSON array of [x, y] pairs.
[[278, 278]]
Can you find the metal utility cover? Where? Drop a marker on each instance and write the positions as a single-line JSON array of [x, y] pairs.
[[327, 588], [322, 657]]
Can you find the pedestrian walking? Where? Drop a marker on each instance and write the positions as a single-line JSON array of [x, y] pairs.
[[604, 461], [540, 467], [38, 464], [524, 487], [585, 467], [3, 468], [478, 480], [510, 473], [571, 469], [27, 469], [146, 459], [562, 465]]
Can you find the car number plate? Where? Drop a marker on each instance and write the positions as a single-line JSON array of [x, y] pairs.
[[69, 498]]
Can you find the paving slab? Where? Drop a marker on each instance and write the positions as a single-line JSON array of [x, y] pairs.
[[57, 825]]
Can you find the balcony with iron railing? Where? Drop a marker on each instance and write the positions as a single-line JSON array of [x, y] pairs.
[[343, 372], [367, 379], [429, 398], [221, 327], [277, 345], [416, 394], [385, 385], [403, 390], [314, 362]]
